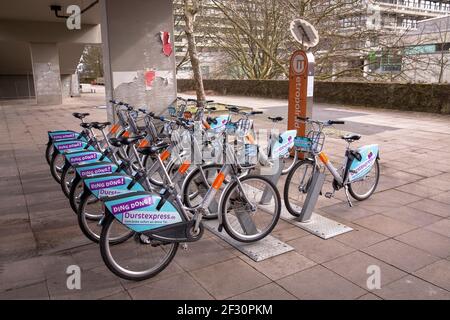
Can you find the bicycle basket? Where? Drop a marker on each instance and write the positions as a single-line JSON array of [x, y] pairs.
[[244, 125], [317, 140]]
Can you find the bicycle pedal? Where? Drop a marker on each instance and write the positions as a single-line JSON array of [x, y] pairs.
[[184, 246], [329, 195]]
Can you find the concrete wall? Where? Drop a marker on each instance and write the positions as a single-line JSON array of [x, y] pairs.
[[402, 96], [16, 86]]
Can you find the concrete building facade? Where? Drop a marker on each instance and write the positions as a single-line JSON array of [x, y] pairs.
[[41, 46]]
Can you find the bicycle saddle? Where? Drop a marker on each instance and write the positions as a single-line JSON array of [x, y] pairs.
[[276, 119], [211, 120], [351, 137], [154, 149], [117, 142], [88, 125], [80, 115], [101, 125]]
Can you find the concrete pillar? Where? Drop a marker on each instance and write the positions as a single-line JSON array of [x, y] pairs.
[[137, 70], [46, 74], [65, 85], [74, 85]]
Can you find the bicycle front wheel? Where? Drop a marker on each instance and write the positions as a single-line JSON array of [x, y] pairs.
[[297, 186], [138, 258], [197, 185], [251, 208]]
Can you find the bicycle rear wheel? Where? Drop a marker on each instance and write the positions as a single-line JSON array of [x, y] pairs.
[[362, 189], [76, 190], [249, 213], [90, 212], [67, 177], [56, 166], [49, 152], [136, 259]]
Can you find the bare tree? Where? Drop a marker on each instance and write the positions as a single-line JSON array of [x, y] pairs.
[[91, 63], [442, 60], [251, 34], [426, 50], [191, 9], [255, 37]]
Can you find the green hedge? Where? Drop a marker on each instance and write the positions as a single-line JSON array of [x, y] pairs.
[[401, 96]]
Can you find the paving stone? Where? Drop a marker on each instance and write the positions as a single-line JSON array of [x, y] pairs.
[[442, 227], [412, 216], [354, 267], [95, 284], [205, 251], [229, 278], [16, 242], [385, 225], [400, 255], [122, 295], [320, 283], [424, 172], [10, 202], [289, 233], [369, 296], [412, 288], [342, 210], [319, 250], [270, 291], [419, 190], [437, 273], [36, 291], [428, 241], [282, 265], [441, 182], [442, 197], [433, 207], [178, 287], [387, 200], [17, 274], [360, 237]]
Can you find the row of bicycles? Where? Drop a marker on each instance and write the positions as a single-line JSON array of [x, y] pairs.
[[141, 186]]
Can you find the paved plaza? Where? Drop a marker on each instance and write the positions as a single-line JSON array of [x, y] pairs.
[[404, 228]]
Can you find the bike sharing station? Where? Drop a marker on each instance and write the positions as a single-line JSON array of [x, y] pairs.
[[122, 206], [301, 95]]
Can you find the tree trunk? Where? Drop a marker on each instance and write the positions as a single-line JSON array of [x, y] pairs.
[[189, 18]]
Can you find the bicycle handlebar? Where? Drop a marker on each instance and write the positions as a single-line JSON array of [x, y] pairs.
[[336, 122], [325, 123]]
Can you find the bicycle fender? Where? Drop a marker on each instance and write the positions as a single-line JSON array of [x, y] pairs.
[[359, 169], [110, 185], [283, 144], [137, 211]]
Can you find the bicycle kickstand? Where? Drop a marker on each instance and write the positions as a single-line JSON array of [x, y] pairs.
[[350, 204]]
